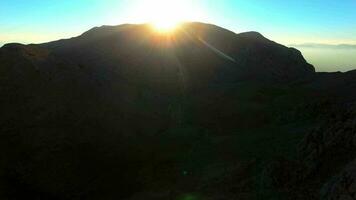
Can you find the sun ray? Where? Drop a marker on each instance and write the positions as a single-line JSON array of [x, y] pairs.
[[165, 15], [165, 26]]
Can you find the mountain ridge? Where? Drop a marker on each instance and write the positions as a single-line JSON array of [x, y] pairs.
[[209, 33]]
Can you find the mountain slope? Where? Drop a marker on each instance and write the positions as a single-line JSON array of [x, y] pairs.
[[138, 46], [198, 113]]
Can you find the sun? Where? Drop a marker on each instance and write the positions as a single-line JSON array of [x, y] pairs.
[[165, 16], [165, 26]]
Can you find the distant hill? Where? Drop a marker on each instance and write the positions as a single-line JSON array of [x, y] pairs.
[[321, 45]]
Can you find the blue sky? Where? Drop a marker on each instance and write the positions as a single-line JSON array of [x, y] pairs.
[[288, 22]]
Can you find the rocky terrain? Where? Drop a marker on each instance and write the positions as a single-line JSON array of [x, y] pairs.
[[122, 112]]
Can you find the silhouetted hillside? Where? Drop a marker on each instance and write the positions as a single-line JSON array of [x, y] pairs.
[[124, 112]]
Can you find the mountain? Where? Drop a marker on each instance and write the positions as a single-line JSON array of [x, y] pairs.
[[124, 112]]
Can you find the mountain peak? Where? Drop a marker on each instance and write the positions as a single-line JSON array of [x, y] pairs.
[[195, 47], [253, 34]]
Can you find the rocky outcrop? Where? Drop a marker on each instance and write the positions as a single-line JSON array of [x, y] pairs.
[[342, 186], [335, 136], [319, 171]]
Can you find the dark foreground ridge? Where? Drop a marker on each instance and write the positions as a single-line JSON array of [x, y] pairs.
[[122, 112]]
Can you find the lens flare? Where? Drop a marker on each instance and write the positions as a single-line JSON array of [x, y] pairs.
[[165, 15]]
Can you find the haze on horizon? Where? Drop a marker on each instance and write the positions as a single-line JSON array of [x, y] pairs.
[[291, 23]]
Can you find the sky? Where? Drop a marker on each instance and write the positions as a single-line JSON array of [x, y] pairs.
[[287, 22]]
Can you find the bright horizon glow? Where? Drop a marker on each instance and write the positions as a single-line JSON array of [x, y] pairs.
[[286, 22], [165, 26], [164, 15]]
